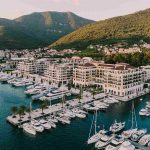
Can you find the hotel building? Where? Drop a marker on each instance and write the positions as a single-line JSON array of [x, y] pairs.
[[59, 73], [116, 79]]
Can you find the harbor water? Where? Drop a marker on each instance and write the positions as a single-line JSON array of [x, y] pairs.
[[64, 137]]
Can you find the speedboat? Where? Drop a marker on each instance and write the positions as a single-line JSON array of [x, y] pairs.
[[96, 137], [69, 113], [137, 135], [144, 140], [143, 112], [53, 119], [126, 146], [37, 126], [115, 143], [45, 124], [127, 134], [117, 126], [104, 141], [28, 128], [53, 125], [80, 115], [63, 120]]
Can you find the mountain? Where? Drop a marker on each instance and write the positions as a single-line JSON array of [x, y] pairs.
[[38, 29], [130, 28], [13, 35]]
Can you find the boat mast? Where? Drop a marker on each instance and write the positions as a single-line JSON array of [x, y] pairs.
[[96, 122], [133, 116]]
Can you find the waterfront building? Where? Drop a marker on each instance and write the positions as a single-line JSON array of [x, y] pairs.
[[32, 66], [147, 70], [84, 74], [59, 73], [120, 80]]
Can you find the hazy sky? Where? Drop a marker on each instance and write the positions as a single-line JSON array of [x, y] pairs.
[[92, 9]]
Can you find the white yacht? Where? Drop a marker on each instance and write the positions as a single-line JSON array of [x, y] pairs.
[[53, 125], [69, 113], [63, 120], [127, 134], [143, 112], [104, 141], [96, 137], [144, 140], [28, 128], [45, 124], [126, 146], [37, 126], [115, 143], [117, 126], [137, 135]]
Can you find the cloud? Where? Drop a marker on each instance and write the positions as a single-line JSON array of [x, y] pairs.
[[76, 2]]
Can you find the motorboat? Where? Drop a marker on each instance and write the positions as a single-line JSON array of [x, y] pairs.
[[126, 146], [143, 112], [80, 115], [69, 113], [45, 124], [96, 137], [63, 120], [118, 140], [105, 140], [127, 134], [117, 126], [144, 140], [113, 99], [115, 143], [28, 128], [137, 135], [53, 125], [37, 126]]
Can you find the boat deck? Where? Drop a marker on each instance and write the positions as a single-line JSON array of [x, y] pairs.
[[141, 147]]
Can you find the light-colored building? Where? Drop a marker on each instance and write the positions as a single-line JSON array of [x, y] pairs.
[[59, 73], [147, 70], [123, 80], [120, 79], [84, 74], [32, 66]]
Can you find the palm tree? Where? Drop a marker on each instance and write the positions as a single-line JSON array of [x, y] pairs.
[[20, 112], [69, 86], [14, 110], [28, 111], [23, 109], [43, 106], [63, 100], [93, 93], [79, 97]]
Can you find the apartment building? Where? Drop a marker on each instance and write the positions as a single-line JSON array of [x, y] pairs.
[[32, 66], [123, 80], [84, 74], [147, 70], [59, 73], [116, 79]]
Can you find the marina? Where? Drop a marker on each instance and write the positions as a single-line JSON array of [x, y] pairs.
[[74, 103]]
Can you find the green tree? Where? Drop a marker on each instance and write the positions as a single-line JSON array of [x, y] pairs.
[[14, 110]]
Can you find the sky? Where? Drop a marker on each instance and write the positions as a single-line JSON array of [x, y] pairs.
[[91, 9]]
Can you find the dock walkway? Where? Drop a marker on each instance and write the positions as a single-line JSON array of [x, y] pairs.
[[37, 113]]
